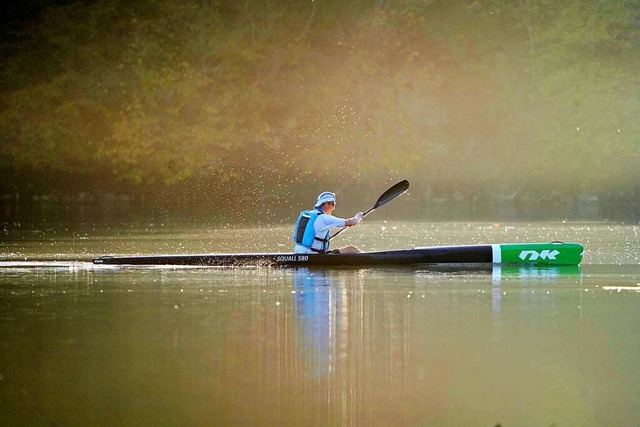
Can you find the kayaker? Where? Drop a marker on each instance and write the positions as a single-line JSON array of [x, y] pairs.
[[313, 228]]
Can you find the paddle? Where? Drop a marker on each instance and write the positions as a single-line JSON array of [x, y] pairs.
[[385, 198]]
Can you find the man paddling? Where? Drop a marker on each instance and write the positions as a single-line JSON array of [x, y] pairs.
[[312, 231]]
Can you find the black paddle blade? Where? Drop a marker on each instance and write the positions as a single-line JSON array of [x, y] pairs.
[[392, 193]]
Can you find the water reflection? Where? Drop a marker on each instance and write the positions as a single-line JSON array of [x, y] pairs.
[[423, 336], [290, 347], [526, 275], [329, 306], [318, 313], [328, 311]]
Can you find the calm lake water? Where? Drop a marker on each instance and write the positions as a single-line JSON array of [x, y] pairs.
[[97, 345]]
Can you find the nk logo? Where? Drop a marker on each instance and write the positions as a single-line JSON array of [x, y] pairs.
[[534, 255]]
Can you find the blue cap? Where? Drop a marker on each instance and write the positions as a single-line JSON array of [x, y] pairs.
[[327, 196]]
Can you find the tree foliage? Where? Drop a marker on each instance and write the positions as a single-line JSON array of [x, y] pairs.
[[461, 97]]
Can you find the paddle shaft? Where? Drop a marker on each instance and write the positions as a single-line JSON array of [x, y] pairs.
[[342, 229], [393, 192]]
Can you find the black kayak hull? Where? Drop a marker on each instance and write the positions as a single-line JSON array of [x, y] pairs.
[[531, 254], [471, 254]]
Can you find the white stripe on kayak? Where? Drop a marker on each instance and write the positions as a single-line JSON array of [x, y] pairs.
[[497, 254]]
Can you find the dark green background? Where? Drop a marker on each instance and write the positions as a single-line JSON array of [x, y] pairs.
[[236, 108]]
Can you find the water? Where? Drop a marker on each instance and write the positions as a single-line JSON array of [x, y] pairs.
[[98, 345]]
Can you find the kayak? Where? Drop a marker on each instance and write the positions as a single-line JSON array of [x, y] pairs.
[[532, 254]]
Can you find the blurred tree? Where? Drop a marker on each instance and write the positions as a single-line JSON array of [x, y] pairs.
[[231, 100]]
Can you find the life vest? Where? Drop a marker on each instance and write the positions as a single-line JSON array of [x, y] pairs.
[[304, 232]]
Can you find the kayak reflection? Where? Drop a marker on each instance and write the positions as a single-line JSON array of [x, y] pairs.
[[329, 305], [523, 275]]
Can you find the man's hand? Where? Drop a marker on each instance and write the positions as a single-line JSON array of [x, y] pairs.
[[352, 222]]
